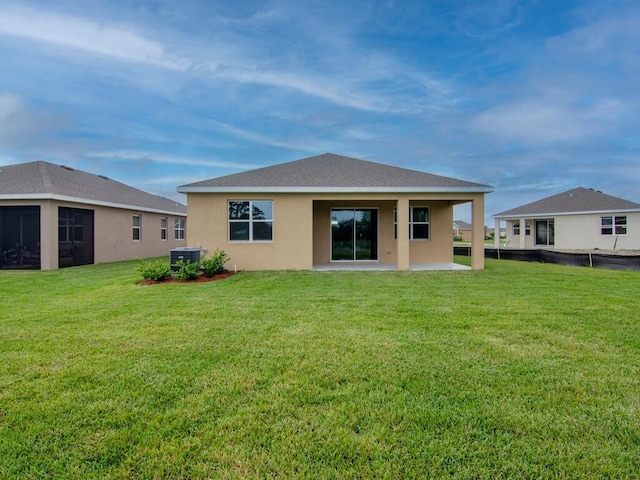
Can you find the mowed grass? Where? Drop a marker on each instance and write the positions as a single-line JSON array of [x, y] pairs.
[[518, 371]]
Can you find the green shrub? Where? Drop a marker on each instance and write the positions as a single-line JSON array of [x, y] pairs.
[[215, 264], [157, 270], [186, 270]]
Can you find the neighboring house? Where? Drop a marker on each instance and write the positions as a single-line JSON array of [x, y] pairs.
[[54, 216], [462, 230], [331, 210], [581, 218]]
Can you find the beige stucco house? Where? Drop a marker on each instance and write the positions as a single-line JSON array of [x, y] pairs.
[[579, 219], [332, 211], [54, 216]]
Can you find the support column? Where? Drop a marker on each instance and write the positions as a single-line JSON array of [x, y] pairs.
[[48, 235], [496, 234], [523, 233], [477, 233], [402, 233]]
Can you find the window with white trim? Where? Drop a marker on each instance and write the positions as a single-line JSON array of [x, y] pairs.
[[613, 225], [179, 229], [419, 223], [250, 220], [516, 228], [163, 228], [137, 228]]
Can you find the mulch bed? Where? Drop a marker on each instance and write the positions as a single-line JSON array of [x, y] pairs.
[[198, 279]]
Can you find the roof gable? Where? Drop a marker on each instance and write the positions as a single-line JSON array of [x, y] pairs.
[[46, 180], [330, 172], [578, 200]]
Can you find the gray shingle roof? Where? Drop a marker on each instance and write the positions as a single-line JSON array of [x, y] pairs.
[[46, 180], [330, 172], [578, 200], [460, 225]]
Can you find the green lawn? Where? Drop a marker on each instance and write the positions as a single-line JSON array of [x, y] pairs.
[[518, 371]]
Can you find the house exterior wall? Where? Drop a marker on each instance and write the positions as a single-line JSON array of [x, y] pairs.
[[113, 232], [439, 247], [580, 232], [114, 235], [584, 232], [302, 227], [465, 235], [292, 245]]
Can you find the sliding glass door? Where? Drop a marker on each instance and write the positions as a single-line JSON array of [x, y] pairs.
[[354, 234], [545, 232]]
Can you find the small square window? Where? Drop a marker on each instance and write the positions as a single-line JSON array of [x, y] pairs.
[[250, 220]]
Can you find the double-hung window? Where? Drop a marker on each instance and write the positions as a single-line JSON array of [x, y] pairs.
[[250, 220], [163, 228], [613, 225], [419, 223], [179, 229], [137, 227]]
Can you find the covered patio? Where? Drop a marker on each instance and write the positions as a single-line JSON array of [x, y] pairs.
[[392, 231]]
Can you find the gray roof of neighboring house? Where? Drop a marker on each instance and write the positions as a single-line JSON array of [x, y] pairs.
[[333, 173], [578, 200], [35, 180], [460, 225]]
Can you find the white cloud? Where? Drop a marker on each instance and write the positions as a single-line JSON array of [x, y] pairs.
[[612, 37], [482, 19], [133, 155], [532, 121], [21, 124], [9, 106], [352, 79], [260, 139], [87, 35]]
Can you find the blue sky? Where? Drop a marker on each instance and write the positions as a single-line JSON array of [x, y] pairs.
[[531, 97]]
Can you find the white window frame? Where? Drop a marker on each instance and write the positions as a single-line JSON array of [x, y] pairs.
[[411, 222], [251, 221], [179, 229], [516, 228], [614, 227], [137, 228], [163, 228]]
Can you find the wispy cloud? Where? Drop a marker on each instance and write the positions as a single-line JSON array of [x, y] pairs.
[[237, 62], [21, 124], [84, 34], [536, 121], [154, 157], [482, 19], [244, 134]]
